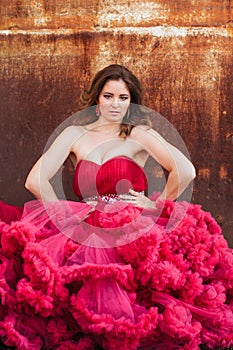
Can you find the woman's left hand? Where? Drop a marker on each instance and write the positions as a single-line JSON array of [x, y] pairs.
[[138, 199]]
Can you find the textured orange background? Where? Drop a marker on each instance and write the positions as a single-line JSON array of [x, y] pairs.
[[182, 51]]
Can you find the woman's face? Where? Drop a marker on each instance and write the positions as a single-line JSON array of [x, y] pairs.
[[114, 100]]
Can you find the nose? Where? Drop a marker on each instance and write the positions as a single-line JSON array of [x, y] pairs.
[[115, 102]]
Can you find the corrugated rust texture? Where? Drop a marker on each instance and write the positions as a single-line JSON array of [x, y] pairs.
[[185, 67]]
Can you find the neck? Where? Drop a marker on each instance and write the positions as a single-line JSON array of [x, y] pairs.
[[112, 128]]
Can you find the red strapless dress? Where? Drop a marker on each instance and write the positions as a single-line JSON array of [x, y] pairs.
[[74, 276]]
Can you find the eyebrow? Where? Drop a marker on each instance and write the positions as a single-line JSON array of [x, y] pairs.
[[113, 94]]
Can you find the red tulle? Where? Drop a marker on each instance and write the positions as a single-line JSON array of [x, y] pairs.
[[118, 277]]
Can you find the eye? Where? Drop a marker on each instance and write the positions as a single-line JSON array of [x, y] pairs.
[[124, 98], [107, 96]]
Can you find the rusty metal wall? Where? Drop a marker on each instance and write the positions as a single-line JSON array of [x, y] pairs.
[[182, 52]]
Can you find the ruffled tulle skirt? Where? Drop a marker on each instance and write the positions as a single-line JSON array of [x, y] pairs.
[[115, 277]]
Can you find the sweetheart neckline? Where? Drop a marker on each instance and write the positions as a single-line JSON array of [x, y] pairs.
[[108, 160], [95, 169]]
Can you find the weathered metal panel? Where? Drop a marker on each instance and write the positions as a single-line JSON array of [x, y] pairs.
[[94, 14], [185, 67]]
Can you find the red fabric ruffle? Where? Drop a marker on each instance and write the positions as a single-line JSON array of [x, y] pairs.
[[167, 282]]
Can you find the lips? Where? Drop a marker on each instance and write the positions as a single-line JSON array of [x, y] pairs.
[[114, 112]]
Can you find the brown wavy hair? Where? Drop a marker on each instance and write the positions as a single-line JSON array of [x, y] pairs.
[[89, 97]]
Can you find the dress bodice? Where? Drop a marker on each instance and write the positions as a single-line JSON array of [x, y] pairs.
[[115, 176]]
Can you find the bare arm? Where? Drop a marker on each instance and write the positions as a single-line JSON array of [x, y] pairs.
[[38, 180], [180, 169]]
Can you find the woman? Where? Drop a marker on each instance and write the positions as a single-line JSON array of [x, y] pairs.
[[106, 270], [114, 133]]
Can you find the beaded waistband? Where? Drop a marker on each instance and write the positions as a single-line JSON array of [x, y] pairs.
[[107, 198]]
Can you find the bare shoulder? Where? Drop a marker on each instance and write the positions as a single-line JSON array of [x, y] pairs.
[[67, 138], [72, 132], [142, 133]]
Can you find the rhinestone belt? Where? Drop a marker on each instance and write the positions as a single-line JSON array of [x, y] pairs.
[[106, 198]]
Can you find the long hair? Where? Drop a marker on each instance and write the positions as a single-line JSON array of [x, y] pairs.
[[89, 97]]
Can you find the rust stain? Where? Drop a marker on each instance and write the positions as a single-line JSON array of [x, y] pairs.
[[230, 31], [204, 173], [223, 172], [159, 174]]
